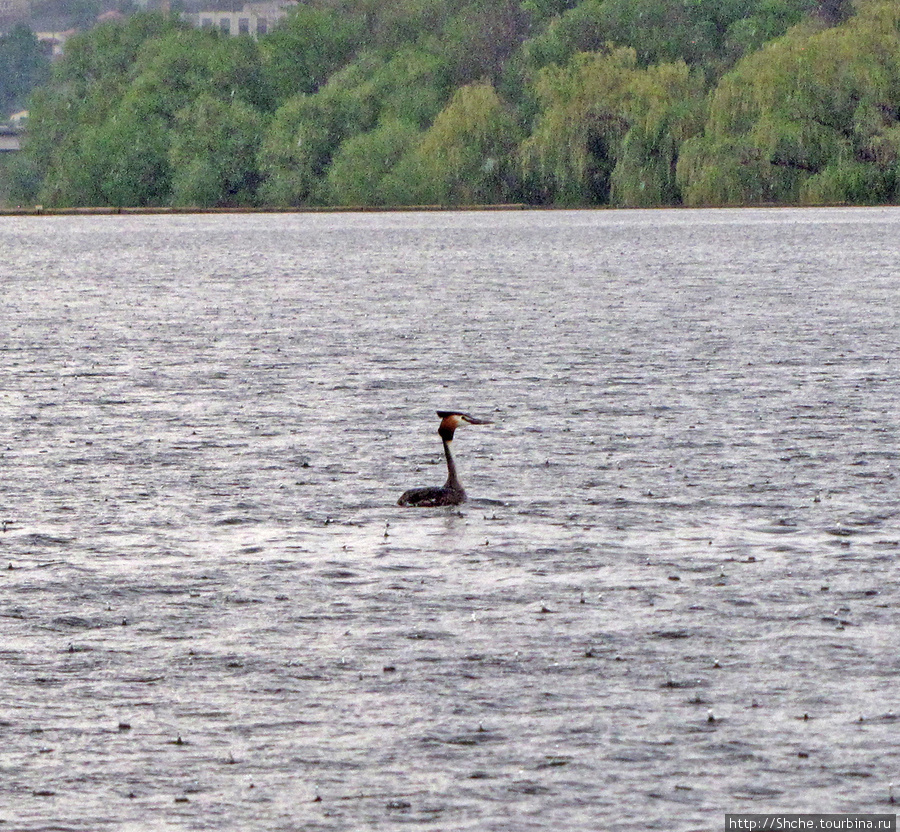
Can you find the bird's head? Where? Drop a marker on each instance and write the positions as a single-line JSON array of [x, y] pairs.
[[452, 419]]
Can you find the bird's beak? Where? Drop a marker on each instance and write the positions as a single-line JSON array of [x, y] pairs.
[[473, 421]]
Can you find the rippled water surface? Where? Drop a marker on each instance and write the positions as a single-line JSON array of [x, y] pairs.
[[673, 592]]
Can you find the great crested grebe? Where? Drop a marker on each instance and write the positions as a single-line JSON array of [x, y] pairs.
[[451, 493]]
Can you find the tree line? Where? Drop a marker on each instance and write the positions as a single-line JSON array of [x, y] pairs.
[[457, 102]]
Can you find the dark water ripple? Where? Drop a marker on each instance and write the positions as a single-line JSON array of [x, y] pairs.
[[673, 593]]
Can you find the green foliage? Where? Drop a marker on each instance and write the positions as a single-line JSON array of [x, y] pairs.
[[405, 22], [123, 104], [74, 116], [307, 47], [710, 33], [812, 118], [295, 152], [849, 181], [573, 148], [22, 67], [481, 38], [723, 172], [467, 156], [305, 133], [408, 88], [622, 102], [543, 10], [411, 85], [213, 153], [580, 29], [170, 71], [768, 20], [119, 161], [104, 55], [609, 131], [360, 173], [19, 180], [705, 33], [665, 108], [123, 161], [83, 12]]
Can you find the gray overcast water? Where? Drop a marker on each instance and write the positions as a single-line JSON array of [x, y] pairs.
[[673, 593]]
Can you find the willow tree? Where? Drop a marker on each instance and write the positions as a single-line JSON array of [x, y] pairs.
[[666, 106], [467, 156], [213, 153], [609, 131], [69, 116], [811, 118], [102, 130], [306, 47], [573, 149], [360, 172], [306, 133], [578, 29], [711, 34]]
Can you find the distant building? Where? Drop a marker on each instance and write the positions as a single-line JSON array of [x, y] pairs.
[[254, 19], [11, 133], [9, 140], [112, 16], [53, 42]]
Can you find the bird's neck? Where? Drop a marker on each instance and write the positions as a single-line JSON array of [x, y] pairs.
[[452, 479]]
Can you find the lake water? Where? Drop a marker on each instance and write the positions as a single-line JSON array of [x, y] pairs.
[[672, 594]]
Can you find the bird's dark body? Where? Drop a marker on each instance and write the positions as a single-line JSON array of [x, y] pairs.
[[451, 493], [432, 496]]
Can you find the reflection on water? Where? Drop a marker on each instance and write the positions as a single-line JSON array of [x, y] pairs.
[[672, 593]]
